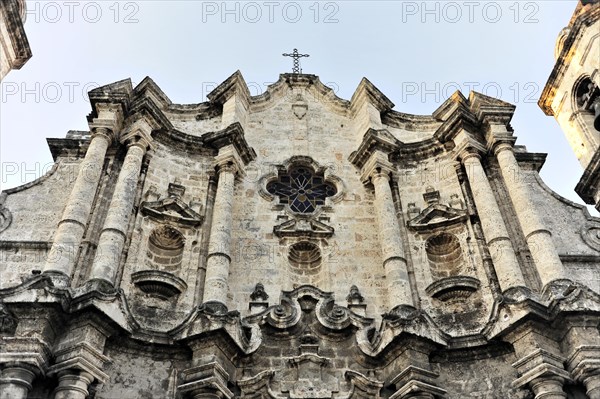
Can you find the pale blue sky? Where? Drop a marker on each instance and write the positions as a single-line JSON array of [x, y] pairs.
[[417, 53]]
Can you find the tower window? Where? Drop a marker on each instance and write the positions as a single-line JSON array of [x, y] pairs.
[[301, 189]]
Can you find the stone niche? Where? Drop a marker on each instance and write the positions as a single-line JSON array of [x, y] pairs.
[[448, 268], [164, 255], [162, 274]]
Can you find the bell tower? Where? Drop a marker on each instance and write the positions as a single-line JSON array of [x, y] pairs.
[[572, 93], [14, 47]]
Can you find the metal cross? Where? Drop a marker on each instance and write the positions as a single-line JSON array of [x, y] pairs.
[[296, 58]]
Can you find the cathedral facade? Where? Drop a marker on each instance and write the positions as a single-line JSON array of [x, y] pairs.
[[296, 245]]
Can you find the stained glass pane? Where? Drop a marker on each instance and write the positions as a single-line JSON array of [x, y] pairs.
[[301, 189]]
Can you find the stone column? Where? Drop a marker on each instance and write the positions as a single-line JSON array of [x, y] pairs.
[[394, 260], [216, 284], [112, 237], [498, 241], [378, 169], [539, 239], [592, 385], [73, 384], [15, 382], [61, 259], [548, 388]]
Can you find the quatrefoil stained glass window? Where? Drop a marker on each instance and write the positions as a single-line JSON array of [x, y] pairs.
[[301, 189]]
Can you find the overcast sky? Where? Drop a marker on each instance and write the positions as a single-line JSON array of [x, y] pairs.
[[417, 53]]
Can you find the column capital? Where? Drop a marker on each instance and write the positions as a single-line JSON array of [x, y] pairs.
[[138, 132], [102, 131], [468, 152], [377, 165], [540, 367], [498, 137], [500, 146], [208, 379], [138, 141], [110, 117], [228, 160], [467, 146], [73, 381]]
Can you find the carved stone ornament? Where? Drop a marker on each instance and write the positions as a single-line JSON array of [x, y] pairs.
[[589, 233], [309, 374], [5, 218], [172, 208], [303, 227], [437, 215], [158, 283], [259, 293], [299, 107]]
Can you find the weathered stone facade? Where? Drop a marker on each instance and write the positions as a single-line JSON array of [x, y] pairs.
[[295, 245], [14, 47], [572, 93]]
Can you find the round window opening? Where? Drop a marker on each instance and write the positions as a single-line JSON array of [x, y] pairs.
[[305, 256], [301, 189]]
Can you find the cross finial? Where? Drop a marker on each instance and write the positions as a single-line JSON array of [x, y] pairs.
[[296, 56]]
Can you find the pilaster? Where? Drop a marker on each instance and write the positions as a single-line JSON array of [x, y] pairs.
[[233, 95], [415, 380], [540, 366], [79, 359], [581, 346]]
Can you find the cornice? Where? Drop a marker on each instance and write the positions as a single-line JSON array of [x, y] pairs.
[[367, 92], [231, 135], [119, 92], [373, 140]]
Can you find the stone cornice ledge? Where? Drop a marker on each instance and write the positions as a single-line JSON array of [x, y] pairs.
[[231, 135], [373, 140]]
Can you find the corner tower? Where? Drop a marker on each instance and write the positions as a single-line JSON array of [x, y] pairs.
[[14, 47]]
